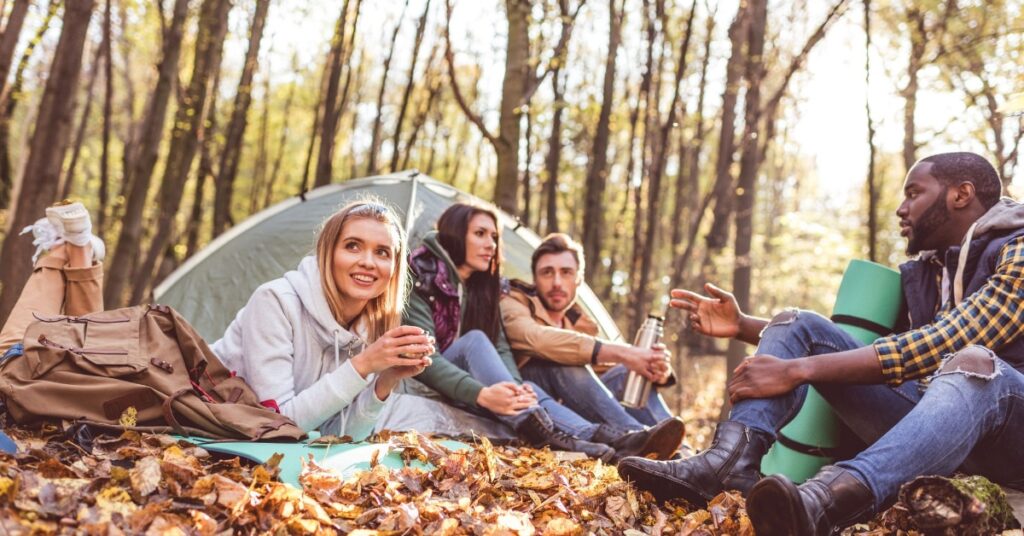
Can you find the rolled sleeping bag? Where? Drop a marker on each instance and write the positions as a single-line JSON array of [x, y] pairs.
[[866, 307]]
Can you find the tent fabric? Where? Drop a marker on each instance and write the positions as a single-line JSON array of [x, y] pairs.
[[213, 285]]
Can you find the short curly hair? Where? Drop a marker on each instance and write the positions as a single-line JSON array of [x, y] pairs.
[[955, 168]]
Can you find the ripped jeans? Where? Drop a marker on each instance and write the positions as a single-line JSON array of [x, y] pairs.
[[969, 419]]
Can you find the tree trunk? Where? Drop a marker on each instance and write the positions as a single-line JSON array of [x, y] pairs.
[[918, 41], [597, 169], [9, 38], [750, 160], [276, 168], [185, 137], [108, 96], [235, 133], [329, 124], [10, 95], [140, 176], [371, 165], [421, 26], [204, 174], [723, 190], [554, 160], [513, 91], [527, 178], [688, 181], [649, 89], [67, 185], [872, 185], [433, 91], [657, 172], [46, 150]]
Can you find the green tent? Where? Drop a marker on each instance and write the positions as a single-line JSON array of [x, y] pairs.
[[212, 286]]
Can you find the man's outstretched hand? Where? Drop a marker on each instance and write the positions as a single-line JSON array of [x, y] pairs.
[[716, 316]]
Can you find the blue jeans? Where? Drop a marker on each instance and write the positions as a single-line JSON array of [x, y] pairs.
[[474, 353], [579, 389], [969, 421], [656, 409]]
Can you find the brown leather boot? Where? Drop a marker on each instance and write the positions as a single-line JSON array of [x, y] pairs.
[[824, 505]]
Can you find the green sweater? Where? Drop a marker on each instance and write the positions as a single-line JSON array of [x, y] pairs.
[[443, 376]]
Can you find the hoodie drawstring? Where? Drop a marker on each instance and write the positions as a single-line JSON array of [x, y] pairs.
[[958, 279], [337, 365]]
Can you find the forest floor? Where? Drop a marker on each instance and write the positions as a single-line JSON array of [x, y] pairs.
[[155, 484]]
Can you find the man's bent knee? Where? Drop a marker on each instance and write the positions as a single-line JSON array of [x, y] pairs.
[[796, 318], [973, 361]]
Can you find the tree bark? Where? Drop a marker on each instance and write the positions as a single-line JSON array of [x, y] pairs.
[[722, 194], [553, 162], [9, 97], [235, 134], [597, 169], [513, 91], [46, 150], [688, 181], [203, 175], [9, 38], [871, 180], [657, 171], [421, 26], [140, 176], [275, 169], [375, 134], [918, 42], [329, 124], [750, 160], [67, 185], [108, 96], [185, 137], [433, 92]]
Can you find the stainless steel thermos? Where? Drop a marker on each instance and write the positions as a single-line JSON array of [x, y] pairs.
[[638, 388]]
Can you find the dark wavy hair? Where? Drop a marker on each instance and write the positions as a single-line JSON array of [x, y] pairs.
[[483, 289]]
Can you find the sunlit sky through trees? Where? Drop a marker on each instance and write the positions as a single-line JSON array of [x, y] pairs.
[[828, 119]]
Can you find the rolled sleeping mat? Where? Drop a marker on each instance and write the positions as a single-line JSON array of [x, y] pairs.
[[867, 307]]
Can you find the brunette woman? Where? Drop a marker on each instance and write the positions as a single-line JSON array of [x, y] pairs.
[[455, 297]]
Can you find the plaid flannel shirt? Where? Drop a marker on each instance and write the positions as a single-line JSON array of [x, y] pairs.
[[991, 317]]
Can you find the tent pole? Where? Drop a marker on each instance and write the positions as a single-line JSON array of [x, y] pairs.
[[409, 218]]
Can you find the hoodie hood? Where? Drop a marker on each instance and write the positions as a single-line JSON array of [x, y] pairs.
[[1005, 216], [305, 280]]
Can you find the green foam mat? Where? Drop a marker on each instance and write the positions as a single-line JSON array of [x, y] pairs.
[[346, 458]]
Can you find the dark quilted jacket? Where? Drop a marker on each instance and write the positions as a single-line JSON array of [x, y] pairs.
[[435, 304]]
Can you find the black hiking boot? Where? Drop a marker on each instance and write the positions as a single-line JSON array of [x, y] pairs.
[[732, 462], [538, 430], [660, 441], [824, 505]]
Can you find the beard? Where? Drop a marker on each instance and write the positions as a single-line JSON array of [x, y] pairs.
[[570, 298], [932, 220]]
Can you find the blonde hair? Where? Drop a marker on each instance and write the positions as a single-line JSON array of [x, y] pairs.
[[385, 311]]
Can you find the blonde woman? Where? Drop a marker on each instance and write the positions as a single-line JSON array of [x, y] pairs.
[[323, 344]]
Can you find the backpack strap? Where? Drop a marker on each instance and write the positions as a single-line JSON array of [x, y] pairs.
[[168, 411]]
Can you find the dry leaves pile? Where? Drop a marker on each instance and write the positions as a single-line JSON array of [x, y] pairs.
[[154, 484]]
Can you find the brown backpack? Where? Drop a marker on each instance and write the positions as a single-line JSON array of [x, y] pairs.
[[94, 368]]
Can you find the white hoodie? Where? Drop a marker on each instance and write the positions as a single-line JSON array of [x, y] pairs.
[[287, 345]]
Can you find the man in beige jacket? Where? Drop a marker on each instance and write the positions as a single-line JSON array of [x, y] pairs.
[[556, 346]]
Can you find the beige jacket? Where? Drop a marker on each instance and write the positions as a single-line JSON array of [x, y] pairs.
[[532, 333]]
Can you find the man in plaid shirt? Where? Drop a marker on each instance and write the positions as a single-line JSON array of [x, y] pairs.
[[964, 295]]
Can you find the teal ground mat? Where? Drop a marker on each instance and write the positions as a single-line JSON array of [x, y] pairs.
[[345, 458]]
